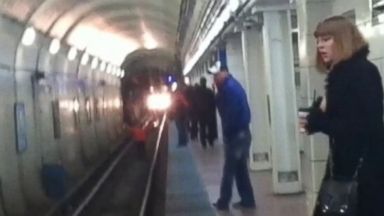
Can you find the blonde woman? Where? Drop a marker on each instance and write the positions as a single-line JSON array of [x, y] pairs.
[[352, 114]]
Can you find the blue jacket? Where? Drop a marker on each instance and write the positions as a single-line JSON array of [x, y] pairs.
[[233, 107]]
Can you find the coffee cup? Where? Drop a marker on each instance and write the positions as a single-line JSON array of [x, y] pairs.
[[303, 113]]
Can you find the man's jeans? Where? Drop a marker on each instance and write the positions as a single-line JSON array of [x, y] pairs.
[[235, 167]]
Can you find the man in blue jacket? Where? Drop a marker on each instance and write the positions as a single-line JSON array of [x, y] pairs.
[[233, 107]]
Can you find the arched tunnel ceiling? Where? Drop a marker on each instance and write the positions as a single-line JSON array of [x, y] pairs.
[[107, 28]]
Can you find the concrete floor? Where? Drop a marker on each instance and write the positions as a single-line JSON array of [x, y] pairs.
[[210, 162]]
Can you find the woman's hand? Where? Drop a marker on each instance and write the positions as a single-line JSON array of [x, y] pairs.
[[323, 104], [303, 125]]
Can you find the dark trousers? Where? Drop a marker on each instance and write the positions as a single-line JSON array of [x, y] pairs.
[[207, 131], [370, 198], [182, 131], [235, 168], [193, 128]]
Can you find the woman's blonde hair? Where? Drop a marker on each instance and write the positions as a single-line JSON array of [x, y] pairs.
[[348, 39]]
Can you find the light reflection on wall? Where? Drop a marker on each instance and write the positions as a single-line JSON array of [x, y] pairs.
[[108, 46]]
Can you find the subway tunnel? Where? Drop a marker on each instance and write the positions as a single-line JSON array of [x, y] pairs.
[[75, 76]]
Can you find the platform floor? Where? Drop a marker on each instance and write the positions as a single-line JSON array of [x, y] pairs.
[[210, 163], [186, 193]]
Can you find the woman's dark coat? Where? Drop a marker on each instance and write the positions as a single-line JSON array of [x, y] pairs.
[[354, 122]]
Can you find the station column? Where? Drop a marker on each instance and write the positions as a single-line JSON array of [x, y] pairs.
[[283, 109], [253, 58]]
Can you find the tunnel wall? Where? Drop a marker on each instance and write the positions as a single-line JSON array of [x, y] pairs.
[[69, 115]]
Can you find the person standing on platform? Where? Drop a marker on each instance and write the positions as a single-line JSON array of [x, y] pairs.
[[179, 112], [206, 114], [234, 111], [351, 114], [192, 122]]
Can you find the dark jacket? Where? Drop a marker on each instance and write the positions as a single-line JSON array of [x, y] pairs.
[[354, 117], [206, 107], [233, 107]]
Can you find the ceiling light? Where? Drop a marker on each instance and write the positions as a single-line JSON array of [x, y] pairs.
[[109, 69], [29, 36], [94, 63], [187, 81], [103, 66], [149, 41], [55, 46], [233, 5], [85, 59], [72, 54]]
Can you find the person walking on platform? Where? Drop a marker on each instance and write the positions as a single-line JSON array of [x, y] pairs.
[[206, 114], [179, 111], [192, 122], [235, 116], [351, 114]]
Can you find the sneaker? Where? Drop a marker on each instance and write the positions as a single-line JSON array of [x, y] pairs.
[[239, 205], [220, 207]]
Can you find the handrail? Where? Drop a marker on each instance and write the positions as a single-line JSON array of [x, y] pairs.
[[152, 168]]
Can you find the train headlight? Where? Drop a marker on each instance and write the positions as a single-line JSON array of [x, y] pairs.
[[159, 101]]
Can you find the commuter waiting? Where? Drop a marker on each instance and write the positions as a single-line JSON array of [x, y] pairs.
[[206, 110], [192, 122], [178, 113], [351, 114], [235, 115]]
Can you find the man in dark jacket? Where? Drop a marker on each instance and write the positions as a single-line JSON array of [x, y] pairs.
[[235, 116], [206, 113], [191, 96]]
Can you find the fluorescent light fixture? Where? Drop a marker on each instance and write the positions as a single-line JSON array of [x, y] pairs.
[[367, 30], [85, 58], [212, 33], [381, 30], [174, 86], [187, 80], [88, 105], [122, 73], [95, 63], [109, 69], [380, 18], [233, 5], [29, 36], [378, 4], [149, 41], [72, 54], [76, 105], [117, 103], [55, 46], [103, 65]]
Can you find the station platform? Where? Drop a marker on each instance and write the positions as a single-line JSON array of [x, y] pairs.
[[193, 184]]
